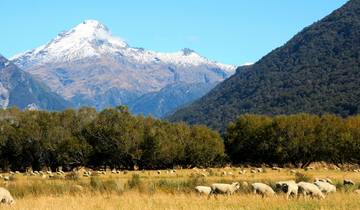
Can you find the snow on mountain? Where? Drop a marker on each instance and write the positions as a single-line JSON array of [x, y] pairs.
[[89, 66]]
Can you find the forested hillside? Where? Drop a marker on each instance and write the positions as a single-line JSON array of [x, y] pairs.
[[317, 71]]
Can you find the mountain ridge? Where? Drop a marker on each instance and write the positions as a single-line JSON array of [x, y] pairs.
[[317, 71], [88, 66], [20, 89]]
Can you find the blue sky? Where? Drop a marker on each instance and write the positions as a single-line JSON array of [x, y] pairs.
[[229, 31]]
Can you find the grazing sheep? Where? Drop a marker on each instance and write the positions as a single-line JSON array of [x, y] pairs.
[[348, 182], [242, 172], [357, 191], [329, 180], [288, 187], [307, 188], [6, 178], [324, 180], [203, 190], [275, 168], [262, 189], [253, 171], [5, 196], [229, 189], [325, 187]]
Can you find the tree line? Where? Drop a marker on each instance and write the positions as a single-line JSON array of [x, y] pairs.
[[110, 138], [294, 139], [114, 138]]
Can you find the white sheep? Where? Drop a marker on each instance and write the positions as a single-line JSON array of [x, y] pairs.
[[5, 196], [229, 189], [203, 190], [262, 189], [307, 188], [348, 182], [288, 187], [325, 187]]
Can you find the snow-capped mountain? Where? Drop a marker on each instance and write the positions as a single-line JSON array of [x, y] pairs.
[[89, 66], [20, 89]]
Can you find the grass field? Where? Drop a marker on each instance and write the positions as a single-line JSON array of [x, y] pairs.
[[150, 190]]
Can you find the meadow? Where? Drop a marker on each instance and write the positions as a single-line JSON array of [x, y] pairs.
[[165, 189]]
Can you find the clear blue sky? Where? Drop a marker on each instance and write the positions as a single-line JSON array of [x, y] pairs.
[[229, 31]]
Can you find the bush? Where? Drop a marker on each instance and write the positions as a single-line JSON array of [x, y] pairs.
[[72, 176], [95, 183], [135, 181], [301, 177]]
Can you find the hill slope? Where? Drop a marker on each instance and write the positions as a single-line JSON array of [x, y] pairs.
[[20, 89], [317, 71]]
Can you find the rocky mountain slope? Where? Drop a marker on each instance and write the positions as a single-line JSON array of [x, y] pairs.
[[20, 89]]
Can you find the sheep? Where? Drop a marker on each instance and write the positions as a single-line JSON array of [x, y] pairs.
[[307, 188], [5, 197], [203, 190], [260, 170], [325, 187], [329, 180], [262, 189], [348, 182], [229, 189], [242, 172], [6, 178], [288, 187], [357, 191], [275, 168]]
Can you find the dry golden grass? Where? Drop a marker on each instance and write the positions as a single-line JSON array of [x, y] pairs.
[[42, 194], [138, 201]]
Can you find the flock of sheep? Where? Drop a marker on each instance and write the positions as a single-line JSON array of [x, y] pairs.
[[317, 189]]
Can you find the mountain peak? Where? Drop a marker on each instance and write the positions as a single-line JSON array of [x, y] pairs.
[[187, 51], [88, 39]]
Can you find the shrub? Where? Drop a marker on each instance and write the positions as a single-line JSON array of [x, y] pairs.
[[301, 177], [135, 181], [72, 176]]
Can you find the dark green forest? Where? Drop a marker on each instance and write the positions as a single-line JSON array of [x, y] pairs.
[[114, 138], [110, 138], [317, 72], [294, 139]]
